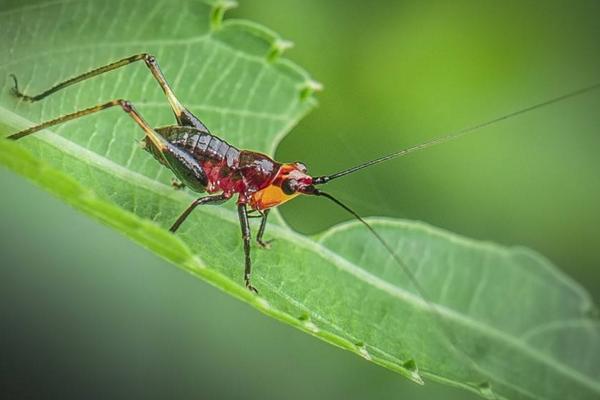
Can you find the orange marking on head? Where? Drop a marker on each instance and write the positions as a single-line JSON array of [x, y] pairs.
[[273, 195], [270, 196]]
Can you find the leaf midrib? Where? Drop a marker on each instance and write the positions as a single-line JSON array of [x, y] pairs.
[[341, 263]]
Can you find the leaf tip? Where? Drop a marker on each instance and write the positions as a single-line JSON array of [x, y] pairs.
[[309, 87], [485, 390], [411, 367], [219, 8], [278, 47], [361, 348], [304, 319]]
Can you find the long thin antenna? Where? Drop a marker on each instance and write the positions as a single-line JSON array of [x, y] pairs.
[[413, 279], [442, 139], [405, 269]]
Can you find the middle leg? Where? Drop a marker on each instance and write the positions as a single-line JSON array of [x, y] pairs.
[[246, 236], [265, 244], [216, 199]]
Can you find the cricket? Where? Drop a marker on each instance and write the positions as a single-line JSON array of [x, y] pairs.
[[207, 164]]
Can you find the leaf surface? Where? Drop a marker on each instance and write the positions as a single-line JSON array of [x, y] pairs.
[[519, 329]]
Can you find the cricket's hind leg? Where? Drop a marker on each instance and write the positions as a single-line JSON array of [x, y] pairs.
[[184, 117], [178, 161], [154, 137]]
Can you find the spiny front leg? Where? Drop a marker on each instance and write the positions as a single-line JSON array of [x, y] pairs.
[[246, 236]]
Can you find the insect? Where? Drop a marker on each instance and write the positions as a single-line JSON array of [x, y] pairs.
[[207, 164]]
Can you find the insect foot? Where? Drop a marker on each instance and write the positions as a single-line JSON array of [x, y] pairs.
[[15, 89], [126, 105], [177, 184], [149, 59], [251, 288], [265, 244], [248, 285]]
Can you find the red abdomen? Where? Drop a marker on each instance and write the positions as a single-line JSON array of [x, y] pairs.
[[227, 169]]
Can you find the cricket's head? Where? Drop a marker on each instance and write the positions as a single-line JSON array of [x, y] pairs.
[[290, 181]]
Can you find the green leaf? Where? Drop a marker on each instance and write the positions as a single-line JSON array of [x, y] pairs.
[[519, 329]]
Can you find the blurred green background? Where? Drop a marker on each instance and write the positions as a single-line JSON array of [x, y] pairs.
[[84, 312]]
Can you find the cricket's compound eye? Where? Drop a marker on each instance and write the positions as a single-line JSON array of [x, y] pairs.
[[289, 186]]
